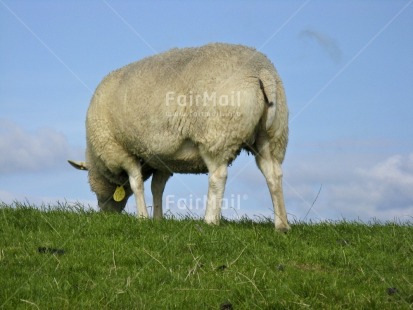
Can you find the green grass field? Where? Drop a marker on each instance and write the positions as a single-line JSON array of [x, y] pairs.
[[75, 259]]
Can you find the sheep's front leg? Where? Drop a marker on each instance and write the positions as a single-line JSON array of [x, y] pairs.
[[136, 184], [271, 169], [159, 180], [216, 187]]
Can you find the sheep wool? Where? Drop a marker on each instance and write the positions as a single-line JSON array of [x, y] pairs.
[[189, 110]]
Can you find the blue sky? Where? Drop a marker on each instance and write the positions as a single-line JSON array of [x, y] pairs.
[[347, 67]]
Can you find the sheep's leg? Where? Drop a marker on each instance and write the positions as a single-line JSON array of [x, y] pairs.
[[271, 169], [136, 184], [159, 179], [217, 179], [216, 186]]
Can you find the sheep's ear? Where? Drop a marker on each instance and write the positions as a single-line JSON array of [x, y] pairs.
[[81, 165]]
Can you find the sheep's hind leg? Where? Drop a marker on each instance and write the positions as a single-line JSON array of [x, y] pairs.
[[159, 180], [271, 169], [136, 184], [216, 186]]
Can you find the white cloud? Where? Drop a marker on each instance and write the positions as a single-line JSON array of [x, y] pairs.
[[24, 151], [391, 182], [354, 186]]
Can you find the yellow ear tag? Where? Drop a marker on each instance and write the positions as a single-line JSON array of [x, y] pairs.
[[119, 194]]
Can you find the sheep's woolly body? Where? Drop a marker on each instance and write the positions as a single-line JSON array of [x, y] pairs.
[[131, 112], [171, 111]]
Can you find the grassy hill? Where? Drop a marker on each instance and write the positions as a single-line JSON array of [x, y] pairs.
[[74, 259]]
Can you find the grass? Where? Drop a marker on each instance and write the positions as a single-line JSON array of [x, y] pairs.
[[75, 259]]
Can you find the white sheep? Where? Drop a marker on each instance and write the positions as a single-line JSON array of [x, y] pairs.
[[188, 110]]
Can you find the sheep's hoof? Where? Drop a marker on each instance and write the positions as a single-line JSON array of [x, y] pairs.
[[142, 217], [284, 228], [212, 221]]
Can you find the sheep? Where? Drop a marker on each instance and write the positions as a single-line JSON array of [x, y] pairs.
[[189, 110]]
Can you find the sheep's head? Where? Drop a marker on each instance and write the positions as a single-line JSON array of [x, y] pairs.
[[111, 197], [114, 198]]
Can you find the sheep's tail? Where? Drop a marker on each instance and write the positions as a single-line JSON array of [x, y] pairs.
[[268, 86]]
